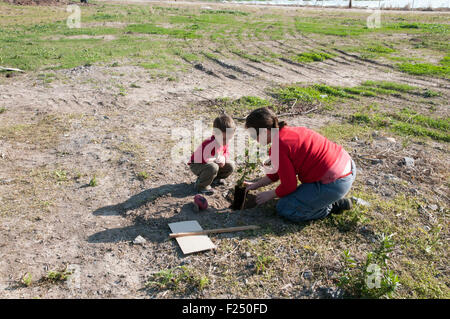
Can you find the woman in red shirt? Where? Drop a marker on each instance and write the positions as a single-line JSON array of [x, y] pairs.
[[325, 169]]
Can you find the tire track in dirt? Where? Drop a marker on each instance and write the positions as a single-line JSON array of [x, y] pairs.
[[355, 60], [229, 66], [347, 59], [347, 62]]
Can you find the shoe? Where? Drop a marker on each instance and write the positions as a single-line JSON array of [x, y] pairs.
[[219, 181], [339, 206], [205, 190]]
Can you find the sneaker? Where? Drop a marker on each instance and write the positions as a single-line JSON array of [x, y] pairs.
[[219, 181], [339, 206], [206, 190]]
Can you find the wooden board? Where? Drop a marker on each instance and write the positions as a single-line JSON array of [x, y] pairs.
[[191, 244]]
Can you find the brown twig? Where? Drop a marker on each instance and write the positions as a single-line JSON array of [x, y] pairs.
[[243, 202], [282, 114], [10, 69]]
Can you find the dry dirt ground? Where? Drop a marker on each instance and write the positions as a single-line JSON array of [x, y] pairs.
[[79, 126]]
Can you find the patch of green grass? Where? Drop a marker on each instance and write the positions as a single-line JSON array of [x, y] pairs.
[[360, 91], [332, 91], [122, 90], [373, 278], [336, 28], [372, 50], [149, 28], [430, 93], [348, 220], [142, 176], [61, 175], [392, 86], [415, 125], [395, 89], [232, 12], [57, 276], [341, 133], [44, 133], [179, 279], [2, 110], [307, 94], [406, 115], [423, 281], [425, 69], [93, 182], [150, 65], [252, 57], [189, 57], [311, 57], [418, 130], [27, 280], [378, 48], [262, 263], [241, 106]]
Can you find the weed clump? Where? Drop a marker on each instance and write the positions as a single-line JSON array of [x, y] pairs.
[[373, 278], [179, 279]]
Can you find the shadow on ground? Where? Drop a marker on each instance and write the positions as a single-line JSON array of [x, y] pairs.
[[154, 227]]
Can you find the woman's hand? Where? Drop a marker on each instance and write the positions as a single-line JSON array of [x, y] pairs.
[[263, 197], [250, 185]]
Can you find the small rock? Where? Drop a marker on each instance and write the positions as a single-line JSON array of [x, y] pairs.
[[139, 240], [371, 182], [247, 255], [330, 293], [307, 274], [360, 202], [375, 134], [407, 161], [286, 286], [390, 177], [433, 207], [376, 161], [391, 140], [186, 262], [355, 139], [6, 181]]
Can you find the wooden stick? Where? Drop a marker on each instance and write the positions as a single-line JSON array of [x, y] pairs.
[[243, 202], [214, 231], [10, 69]]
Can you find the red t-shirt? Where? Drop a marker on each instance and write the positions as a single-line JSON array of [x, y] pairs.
[[303, 153], [207, 151]]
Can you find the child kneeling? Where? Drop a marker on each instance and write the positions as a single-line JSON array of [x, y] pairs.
[[210, 161]]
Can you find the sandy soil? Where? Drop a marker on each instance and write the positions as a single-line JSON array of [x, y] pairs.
[[56, 221]]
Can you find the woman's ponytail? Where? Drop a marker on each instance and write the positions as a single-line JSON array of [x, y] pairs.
[[263, 118]]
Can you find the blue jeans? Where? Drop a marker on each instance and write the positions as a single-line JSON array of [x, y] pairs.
[[314, 200]]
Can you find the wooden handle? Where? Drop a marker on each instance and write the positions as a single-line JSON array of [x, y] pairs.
[[243, 202], [214, 231]]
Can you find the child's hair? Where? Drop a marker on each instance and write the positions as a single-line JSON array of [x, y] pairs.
[[263, 118], [223, 122]]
